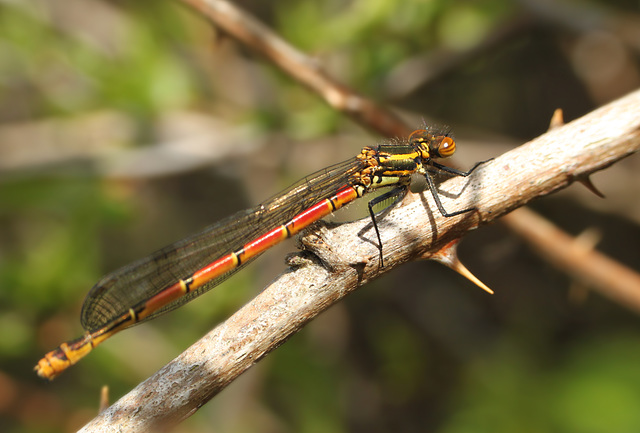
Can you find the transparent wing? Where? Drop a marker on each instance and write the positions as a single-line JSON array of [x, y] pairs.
[[131, 285]]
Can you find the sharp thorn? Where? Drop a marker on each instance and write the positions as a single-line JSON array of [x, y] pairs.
[[588, 239], [104, 398], [586, 181], [448, 256], [557, 120]]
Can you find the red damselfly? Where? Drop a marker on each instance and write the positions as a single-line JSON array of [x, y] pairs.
[[186, 269]]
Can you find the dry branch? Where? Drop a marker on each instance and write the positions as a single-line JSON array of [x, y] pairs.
[[610, 278], [243, 27], [344, 257]]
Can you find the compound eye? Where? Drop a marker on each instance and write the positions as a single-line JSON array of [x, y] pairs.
[[446, 147]]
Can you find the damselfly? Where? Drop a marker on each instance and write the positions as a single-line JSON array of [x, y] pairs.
[[186, 269]]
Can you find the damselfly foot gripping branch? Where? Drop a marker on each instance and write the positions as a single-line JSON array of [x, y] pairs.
[[186, 269]]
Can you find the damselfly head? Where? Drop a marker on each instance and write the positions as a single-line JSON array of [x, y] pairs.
[[437, 146]]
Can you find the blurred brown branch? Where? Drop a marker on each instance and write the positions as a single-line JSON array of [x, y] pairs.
[[586, 17], [241, 26], [608, 277], [345, 258]]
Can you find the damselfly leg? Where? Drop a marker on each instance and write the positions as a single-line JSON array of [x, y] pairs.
[[434, 190], [398, 191]]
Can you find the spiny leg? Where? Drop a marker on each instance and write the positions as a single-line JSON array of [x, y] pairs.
[[434, 190], [394, 193], [455, 171]]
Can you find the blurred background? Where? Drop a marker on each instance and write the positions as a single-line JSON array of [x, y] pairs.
[[126, 125]]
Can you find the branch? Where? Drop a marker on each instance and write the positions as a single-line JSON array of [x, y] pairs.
[[341, 258], [251, 32], [610, 278]]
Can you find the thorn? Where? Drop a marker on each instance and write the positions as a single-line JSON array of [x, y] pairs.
[[104, 398], [586, 181], [557, 120], [584, 243], [587, 240], [448, 256]]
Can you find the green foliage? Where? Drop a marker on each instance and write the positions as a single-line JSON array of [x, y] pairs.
[[593, 388]]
